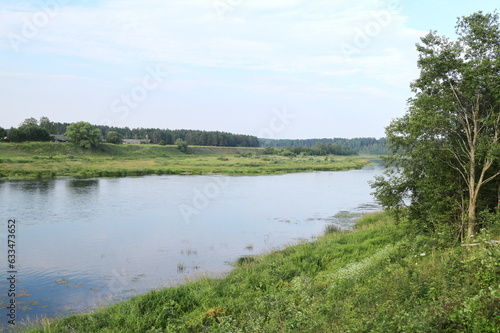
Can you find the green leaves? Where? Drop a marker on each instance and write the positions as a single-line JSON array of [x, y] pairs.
[[84, 134], [114, 137], [181, 145], [445, 149]]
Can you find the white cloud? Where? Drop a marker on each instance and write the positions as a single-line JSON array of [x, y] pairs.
[[287, 50], [274, 35]]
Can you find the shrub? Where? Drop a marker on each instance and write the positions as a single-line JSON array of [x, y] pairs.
[[84, 134], [114, 137], [181, 145]]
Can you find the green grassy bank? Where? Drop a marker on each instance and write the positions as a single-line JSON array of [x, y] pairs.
[[37, 160], [372, 279]]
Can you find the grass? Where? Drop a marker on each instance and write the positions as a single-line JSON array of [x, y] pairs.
[[37, 160], [371, 279]]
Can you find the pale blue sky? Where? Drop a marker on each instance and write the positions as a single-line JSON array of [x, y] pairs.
[[272, 68]]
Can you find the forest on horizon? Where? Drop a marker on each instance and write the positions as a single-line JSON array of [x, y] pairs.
[[194, 137]]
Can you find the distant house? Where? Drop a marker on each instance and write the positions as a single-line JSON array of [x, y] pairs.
[[59, 138], [135, 141]]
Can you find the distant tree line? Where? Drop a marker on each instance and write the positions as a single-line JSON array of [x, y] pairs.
[[318, 149], [358, 145], [155, 135], [191, 137], [29, 130], [40, 130]]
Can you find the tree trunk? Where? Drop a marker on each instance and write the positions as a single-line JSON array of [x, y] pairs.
[[471, 216]]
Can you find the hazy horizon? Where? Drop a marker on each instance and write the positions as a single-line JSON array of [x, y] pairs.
[[273, 69]]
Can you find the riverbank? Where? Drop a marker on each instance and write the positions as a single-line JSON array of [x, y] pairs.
[[370, 279], [38, 160]]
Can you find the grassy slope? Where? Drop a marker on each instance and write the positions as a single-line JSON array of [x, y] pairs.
[[48, 160], [371, 279]]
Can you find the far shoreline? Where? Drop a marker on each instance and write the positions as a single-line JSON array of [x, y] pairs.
[[42, 161]]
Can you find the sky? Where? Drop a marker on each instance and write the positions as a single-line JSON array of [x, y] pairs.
[[293, 69]]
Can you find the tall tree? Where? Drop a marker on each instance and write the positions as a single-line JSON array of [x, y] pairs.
[[34, 133], [29, 130], [84, 134], [114, 137], [181, 145], [29, 122], [445, 150], [47, 124]]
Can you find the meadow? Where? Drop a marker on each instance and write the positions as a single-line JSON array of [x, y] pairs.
[[37, 160], [371, 279]]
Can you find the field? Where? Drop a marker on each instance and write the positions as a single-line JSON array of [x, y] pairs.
[[372, 279], [38, 160]]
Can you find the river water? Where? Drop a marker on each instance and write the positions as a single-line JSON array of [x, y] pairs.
[[86, 243]]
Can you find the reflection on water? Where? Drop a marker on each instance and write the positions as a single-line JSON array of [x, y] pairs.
[[83, 186], [83, 243], [32, 186]]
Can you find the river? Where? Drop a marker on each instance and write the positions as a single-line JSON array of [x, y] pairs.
[[83, 243]]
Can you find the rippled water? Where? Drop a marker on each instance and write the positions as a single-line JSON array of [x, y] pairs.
[[83, 243]]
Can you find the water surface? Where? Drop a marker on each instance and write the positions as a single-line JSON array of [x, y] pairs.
[[84, 243]]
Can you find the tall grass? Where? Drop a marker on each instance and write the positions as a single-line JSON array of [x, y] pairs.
[[48, 160], [372, 279]]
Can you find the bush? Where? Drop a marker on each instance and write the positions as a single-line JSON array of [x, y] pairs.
[[181, 145], [28, 133], [114, 137], [84, 134], [268, 151]]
